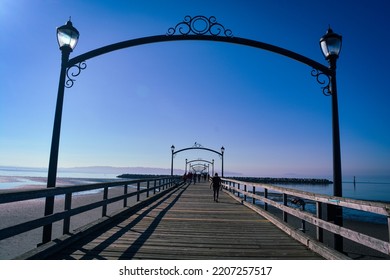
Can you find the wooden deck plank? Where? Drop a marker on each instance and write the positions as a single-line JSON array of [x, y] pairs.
[[188, 224]]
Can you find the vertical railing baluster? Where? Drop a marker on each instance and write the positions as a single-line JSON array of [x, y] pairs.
[[68, 206], [147, 188], [138, 190], [125, 190], [245, 192], [303, 222], [254, 192], [285, 204], [388, 227], [105, 197], [265, 196], [319, 230]]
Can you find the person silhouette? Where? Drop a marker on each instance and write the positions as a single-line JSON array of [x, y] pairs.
[[216, 183]]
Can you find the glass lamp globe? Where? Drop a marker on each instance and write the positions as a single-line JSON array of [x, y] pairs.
[[331, 44], [67, 36]]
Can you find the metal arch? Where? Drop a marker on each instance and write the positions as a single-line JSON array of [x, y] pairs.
[[197, 148], [200, 160], [198, 165], [234, 40], [79, 63], [200, 28]]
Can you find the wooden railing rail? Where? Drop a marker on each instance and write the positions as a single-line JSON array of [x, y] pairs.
[[239, 189], [158, 184]]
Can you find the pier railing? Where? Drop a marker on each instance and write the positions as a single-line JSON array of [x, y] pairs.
[[259, 197], [130, 188]]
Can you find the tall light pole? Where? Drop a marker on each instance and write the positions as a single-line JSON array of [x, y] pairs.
[[331, 46], [67, 37], [186, 167], [173, 150], [222, 152]]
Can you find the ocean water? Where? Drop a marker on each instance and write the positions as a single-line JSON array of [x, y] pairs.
[[374, 190], [19, 178], [365, 188]]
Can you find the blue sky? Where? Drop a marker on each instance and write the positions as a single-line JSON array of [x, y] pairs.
[[128, 107]]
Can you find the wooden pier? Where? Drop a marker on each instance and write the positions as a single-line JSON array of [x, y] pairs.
[[166, 218], [187, 224]]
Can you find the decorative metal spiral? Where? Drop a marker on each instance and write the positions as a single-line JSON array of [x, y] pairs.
[[199, 25], [76, 70], [324, 80], [197, 145]]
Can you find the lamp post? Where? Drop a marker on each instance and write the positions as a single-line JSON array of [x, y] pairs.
[[222, 152], [67, 37], [173, 150], [186, 167], [331, 46]]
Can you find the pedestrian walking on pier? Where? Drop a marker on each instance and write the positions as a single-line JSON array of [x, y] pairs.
[[216, 183]]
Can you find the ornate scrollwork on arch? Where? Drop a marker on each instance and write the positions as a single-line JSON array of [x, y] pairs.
[[324, 80], [197, 145], [74, 71], [199, 25]]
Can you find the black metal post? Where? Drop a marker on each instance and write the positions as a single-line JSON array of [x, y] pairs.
[[172, 149], [336, 212], [55, 143], [222, 163]]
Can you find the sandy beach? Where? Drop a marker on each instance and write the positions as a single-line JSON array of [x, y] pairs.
[[14, 213], [18, 212]]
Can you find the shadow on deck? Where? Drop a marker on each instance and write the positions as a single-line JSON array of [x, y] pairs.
[[185, 223]]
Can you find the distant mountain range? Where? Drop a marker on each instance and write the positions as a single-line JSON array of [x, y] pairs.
[[98, 169], [106, 170]]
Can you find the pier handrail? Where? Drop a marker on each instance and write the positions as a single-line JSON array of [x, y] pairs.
[[240, 190], [9, 196]]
